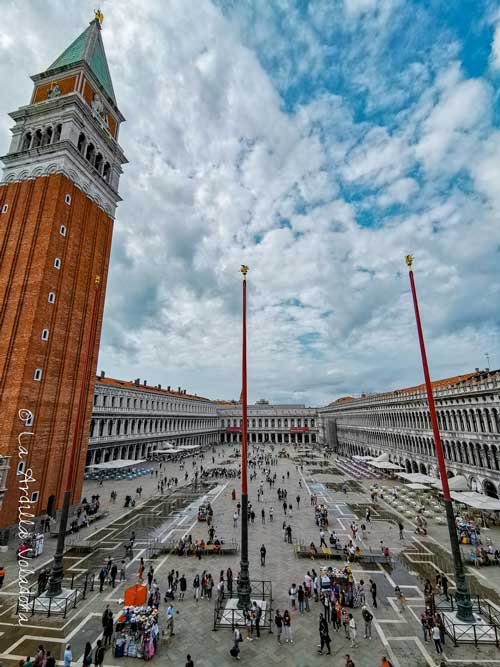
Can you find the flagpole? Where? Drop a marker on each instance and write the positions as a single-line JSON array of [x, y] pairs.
[[244, 588], [464, 604]]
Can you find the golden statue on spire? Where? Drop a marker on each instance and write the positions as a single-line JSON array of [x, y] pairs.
[[244, 271], [409, 260], [99, 16]]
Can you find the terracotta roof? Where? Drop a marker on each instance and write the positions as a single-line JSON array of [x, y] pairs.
[[439, 384], [130, 384]]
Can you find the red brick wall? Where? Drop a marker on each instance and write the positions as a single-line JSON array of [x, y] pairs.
[[30, 240]]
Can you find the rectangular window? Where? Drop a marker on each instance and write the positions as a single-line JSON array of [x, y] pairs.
[[38, 374], [67, 199], [34, 496], [57, 263], [45, 334], [52, 297], [5, 208], [62, 230]]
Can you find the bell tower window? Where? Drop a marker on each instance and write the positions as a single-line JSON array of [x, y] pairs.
[[81, 142], [90, 153], [106, 171], [57, 133], [27, 141], [37, 139], [47, 136], [98, 162]]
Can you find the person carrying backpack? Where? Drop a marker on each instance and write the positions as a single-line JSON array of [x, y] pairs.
[[237, 639]]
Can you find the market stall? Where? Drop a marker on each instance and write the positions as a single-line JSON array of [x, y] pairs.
[[137, 633]]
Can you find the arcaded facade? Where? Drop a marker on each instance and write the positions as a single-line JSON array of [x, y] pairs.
[[398, 422]]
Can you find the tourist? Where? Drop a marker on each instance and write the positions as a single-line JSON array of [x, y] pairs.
[[373, 591], [352, 630], [289, 533], [170, 620], [112, 573], [436, 636], [68, 656], [322, 542], [400, 598], [300, 598], [424, 620], [87, 655], [401, 528], [368, 618], [263, 555], [99, 654], [348, 661], [287, 627], [102, 578], [278, 622], [257, 612], [292, 593], [271, 513], [189, 661], [26, 663], [196, 587], [182, 587], [324, 636], [237, 639], [50, 661], [235, 519], [108, 629], [385, 662]]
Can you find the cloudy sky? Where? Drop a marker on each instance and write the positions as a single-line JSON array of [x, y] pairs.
[[317, 141]]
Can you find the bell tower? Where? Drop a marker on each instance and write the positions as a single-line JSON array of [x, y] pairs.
[[58, 199]]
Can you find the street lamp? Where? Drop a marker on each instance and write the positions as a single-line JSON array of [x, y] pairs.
[[464, 605], [244, 588]]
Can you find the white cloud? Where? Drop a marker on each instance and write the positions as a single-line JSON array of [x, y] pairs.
[[495, 49]]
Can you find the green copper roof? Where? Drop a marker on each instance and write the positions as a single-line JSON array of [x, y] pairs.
[[89, 47]]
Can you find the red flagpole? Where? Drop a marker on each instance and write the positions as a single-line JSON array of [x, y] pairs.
[[244, 587], [462, 596]]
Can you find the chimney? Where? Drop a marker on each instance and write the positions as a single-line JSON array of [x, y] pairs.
[[178, 390], [184, 391], [168, 388], [102, 374], [145, 383], [159, 386], [137, 381]]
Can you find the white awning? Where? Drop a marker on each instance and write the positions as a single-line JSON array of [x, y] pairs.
[[384, 465], [357, 457], [457, 483], [382, 458], [417, 487], [167, 451], [115, 465], [477, 500], [417, 477]]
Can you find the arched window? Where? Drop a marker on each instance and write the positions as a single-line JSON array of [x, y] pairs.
[[81, 142], [37, 139], [47, 136], [106, 171], [27, 141], [57, 133], [90, 153], [98, 162]]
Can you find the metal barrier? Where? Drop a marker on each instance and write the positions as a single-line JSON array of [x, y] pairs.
[[232, 618], [58, 606]]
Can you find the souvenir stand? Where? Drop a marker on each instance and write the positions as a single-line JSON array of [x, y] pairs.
[[137, 628], [343, 579]]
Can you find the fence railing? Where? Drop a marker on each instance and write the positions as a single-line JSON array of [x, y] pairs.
[[35, 603], [232, 617]]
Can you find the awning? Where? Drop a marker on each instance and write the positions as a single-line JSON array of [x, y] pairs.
[[383, 458], [457, 483], [417, 477], [116, 465], [417, 487], [477, 500], [357, 457], [384, 465]]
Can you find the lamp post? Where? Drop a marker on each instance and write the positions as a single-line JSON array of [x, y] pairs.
[[464, 605], [244, 588], [57, 572]]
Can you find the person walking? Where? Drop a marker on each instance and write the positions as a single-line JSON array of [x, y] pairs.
[[2, 575], [278, 622], [263, 555], [289, 533], [112, 573], [400, 598], [263, 515], [102, 578], [68, 656], [182, 587], [258, 615], [196, 587], [322, 542], [99, 654], [324, 636], [373, 591], [352, 630], [235, 520], [108, 629], [189, 661], [87, 655], [401, 528], [50, 661], [301, 598], [237, 639], [287, 627], [298, 501], [292, 593], [271, 513], [436, 636], [367, 618], [122, 571]]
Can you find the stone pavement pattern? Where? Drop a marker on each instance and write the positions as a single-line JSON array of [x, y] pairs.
[[394, 634]]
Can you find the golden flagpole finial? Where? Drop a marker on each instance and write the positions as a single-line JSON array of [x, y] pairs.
[[99, 16], [409, 260], [244, 271]]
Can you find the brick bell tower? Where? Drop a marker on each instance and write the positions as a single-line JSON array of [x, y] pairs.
[[57, 203]]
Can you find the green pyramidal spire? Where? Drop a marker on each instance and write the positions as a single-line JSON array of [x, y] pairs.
[[89, 48]]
